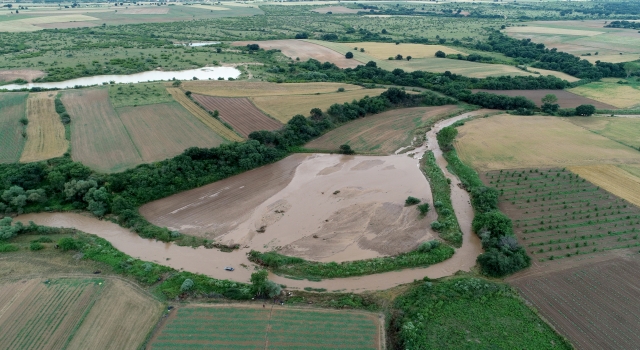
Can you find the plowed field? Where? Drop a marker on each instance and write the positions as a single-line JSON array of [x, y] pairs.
[[45, 132], [565, 99], [204, 117], [228, 327], [164, 130], [99, 139], [380, 133], [594, 305], [240, 113], [12, 109]]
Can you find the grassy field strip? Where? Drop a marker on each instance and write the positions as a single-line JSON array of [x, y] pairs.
[[283, 108], [623, 130], [99, 139], [201, 114], [612, 179], [45, 131], [13, 107]]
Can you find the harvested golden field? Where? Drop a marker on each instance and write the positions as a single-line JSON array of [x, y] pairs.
[[284, 108], [508, 142], [304, 50], [39, 315], [30, 24], [623, 130], [204, 117], [612, 179], [382, 133], [164, 130], [45, 132], [99, 139], [121, 318], [12, 109], [383, 51], [225, 88], [619, 95]]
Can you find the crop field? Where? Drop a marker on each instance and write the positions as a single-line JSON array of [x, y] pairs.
[[228, 327], [99, 139], [382, 133], [226, 88], [558, 215], [623, 130], [583, 37], [613, 179], [12, 109], [75, 313], [284, 108], [38, 315], [383, 51], [203, 116], [619, 95], [594, 305], [304, 50], [565, 99], [510, 142], [31, 24], [124, 95], [238, 112], [45, 132], [164, 130]]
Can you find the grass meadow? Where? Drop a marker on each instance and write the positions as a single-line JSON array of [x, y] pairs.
[[13, 107]]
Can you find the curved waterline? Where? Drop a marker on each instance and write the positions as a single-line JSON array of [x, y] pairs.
[[205, 73], [211, 262]]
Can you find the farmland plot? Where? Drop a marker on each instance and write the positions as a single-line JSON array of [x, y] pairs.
[[565, 99], [246, 327], [225, 88], [558, 216], [613, 179], [164, 130], [45, 132], [623, 130], [12, 109], [536, 141], [304, 50], [594, 305], [99, 139], [619, 95], [380, 133], [240, 113]]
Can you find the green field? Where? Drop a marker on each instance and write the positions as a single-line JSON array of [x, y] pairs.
[[13, 108], [274, 327], [124, 95], [623, 130], [471, 313]]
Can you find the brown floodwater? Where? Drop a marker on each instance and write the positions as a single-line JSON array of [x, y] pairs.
[[318, 170]]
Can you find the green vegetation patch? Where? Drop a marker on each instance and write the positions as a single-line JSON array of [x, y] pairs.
[[123, 95], [470, 313], [12, 126], [293, 266]]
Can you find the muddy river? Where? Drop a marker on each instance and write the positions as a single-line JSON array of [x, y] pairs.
[[206, 73], [211, 262]]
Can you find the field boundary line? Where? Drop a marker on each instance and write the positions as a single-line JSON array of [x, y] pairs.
[[250, 99], [127, 130], [266, 333]]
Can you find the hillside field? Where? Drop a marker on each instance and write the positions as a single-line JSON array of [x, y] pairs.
[[13, 107], [75, 313], [623, 130], [45, 131], [510, 142], [246, 327], [382, 133], [619, 95]]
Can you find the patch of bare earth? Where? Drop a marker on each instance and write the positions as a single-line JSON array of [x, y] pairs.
[[336, 10], [67, 25], [26, 74], [304, 50]]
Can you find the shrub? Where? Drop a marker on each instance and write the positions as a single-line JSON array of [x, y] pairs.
[[67, 244], [186, 285], [437, 226], [35, 246], [585, 110], [346, 149], [411, 201], [423, 208], [441, 54], [349, 55]]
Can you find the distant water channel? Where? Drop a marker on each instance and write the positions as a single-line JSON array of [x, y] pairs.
[[206, 73]]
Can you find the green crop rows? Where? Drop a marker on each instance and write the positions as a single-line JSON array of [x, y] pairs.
[[248, 328]]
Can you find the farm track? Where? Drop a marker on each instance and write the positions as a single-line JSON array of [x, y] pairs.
[[45, 132], [204, 117], [240, 113]]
